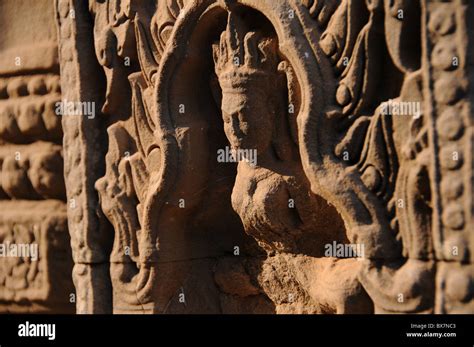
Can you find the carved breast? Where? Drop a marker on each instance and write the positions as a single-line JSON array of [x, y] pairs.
[[265, 202]]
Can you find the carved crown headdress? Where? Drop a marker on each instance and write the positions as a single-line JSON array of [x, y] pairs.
[[244, 59]]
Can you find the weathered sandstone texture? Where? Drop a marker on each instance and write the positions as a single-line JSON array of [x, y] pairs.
[[33, 209], [239, 156]]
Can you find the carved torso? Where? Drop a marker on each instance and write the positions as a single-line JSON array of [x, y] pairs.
[[277, 209], [256, 197]]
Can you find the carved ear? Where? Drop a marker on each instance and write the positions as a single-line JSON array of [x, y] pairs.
[[148, 64]]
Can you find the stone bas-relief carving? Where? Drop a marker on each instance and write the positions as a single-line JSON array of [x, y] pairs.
[[35, 260], [252, 156]]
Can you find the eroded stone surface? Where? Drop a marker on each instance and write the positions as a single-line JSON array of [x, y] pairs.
[[329, 109], [265, 156], [35, 261]]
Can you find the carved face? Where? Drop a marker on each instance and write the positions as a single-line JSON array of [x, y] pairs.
[[248, 121]]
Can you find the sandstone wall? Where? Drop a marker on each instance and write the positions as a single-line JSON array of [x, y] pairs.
[[241, 156], [32, 191]]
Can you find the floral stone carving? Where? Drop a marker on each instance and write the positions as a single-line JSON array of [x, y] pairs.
[[269, 156]]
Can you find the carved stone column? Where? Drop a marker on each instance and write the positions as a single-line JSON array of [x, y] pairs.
[[32, 192]]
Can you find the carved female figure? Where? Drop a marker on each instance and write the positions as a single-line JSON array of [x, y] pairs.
[[271, 196]]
